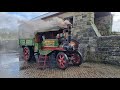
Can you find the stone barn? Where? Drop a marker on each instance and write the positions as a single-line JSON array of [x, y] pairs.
[[83, 20], [93, 31]]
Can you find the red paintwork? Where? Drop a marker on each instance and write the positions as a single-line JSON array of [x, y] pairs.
[[26, 54], [61, 61], [52, 48], [42, 61]]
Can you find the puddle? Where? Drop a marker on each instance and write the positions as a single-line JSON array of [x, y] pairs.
[[9, 65]]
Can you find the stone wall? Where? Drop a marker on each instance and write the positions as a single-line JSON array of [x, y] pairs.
[[93, 48], [108, 49], [104, 25], [105, 49], [82, 19], [84, 33]]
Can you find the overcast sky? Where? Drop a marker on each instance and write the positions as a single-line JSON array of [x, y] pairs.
[[116, 21], [10, 19]]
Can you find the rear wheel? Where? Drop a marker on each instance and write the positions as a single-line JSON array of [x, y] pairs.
[[62, 60], [28, 53], [76, 58]]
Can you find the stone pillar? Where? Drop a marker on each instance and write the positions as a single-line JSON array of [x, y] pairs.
[[84, 33]]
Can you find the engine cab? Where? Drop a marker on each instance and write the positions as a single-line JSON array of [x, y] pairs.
[[57, 40]]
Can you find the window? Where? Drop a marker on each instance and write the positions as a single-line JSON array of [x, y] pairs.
[[70, 19]]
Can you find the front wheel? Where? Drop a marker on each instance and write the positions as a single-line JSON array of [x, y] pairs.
[[62, 60], [76, 58]]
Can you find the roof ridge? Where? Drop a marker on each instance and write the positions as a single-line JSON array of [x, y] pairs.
[[45, 15]]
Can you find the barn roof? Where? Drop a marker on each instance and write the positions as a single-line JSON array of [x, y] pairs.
[[50, 14], [46, 15]]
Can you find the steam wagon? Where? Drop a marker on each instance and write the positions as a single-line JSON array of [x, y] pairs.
[[54, 46]]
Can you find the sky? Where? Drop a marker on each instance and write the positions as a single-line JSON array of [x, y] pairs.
[[116, 21], [10, 19]]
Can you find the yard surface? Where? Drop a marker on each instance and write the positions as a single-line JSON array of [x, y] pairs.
[[9, 68]]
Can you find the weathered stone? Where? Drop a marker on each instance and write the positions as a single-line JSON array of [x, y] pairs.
[[109, 49], [104, 24], [92, 49]]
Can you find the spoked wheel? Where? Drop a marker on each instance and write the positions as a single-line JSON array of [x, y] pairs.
[[62, 60], [26, 52], [76, 58]]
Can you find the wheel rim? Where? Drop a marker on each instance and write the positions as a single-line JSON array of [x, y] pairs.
[[61, 61], [26, 54], [75, 58]]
